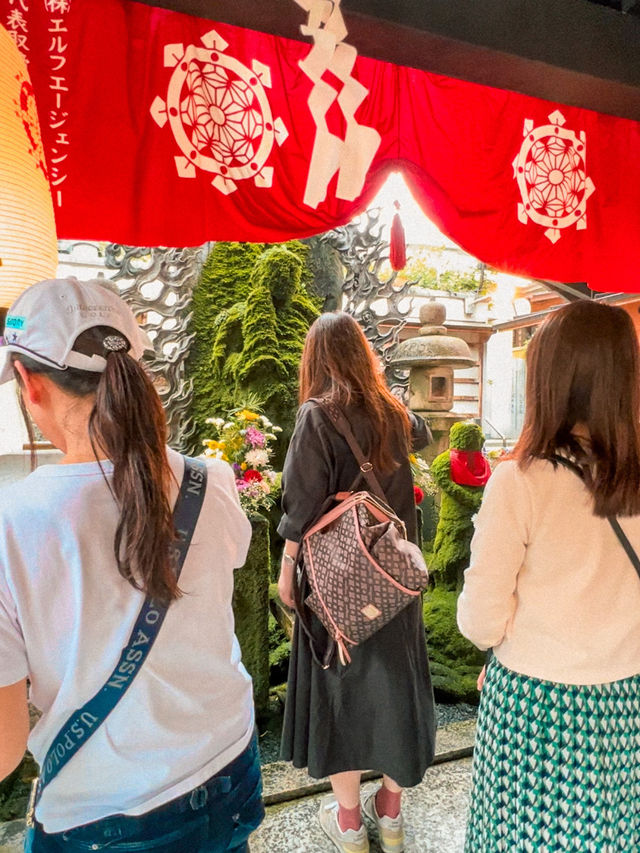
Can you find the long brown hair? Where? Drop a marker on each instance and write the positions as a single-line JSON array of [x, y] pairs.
[[583, 368], [128, 425], [338, 362]]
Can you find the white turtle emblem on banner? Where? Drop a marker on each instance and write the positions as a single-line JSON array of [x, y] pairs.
[[551, 173], [219, 114]]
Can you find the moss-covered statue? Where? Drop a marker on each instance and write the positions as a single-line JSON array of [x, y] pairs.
[[251, 312], [461, 473]]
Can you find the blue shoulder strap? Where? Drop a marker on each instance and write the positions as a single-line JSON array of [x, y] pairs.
[[86, 720]]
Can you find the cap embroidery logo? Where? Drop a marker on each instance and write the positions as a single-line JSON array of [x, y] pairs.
[[15, 322]]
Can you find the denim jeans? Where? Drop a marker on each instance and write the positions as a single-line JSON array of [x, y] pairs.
[[216, 817]]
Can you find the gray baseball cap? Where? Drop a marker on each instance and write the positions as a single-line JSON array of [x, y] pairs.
[[45, 320]]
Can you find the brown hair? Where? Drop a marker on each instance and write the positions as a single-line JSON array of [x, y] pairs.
[[127, 423], [338, 362], [583, 369]]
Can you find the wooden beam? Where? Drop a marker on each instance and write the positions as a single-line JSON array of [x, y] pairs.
[[572, 52]]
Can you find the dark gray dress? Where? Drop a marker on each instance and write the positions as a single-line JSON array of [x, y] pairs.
[[378, 712]]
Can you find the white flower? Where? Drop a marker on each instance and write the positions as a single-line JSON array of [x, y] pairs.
[[276, 428], [213, 454], [228, 425], [269, 436], [215, 421], [265, 421], [256, 457]]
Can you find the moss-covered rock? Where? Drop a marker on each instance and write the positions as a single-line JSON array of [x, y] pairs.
[[251, 610], [15, 789], [455, 662]]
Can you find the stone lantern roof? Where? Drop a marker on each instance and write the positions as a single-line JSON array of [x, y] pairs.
[[433, 347]]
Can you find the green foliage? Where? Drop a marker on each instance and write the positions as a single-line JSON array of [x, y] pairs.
[[251, 313], [425, 274], [279, 652], [455, 662]]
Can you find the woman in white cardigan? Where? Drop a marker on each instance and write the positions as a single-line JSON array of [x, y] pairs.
[[551, 590]]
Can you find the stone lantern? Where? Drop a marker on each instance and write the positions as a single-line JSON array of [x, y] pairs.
[[431, 358]]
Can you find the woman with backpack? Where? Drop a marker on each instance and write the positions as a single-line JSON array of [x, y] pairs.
[[377, 711], [554, 588], [116, 577]]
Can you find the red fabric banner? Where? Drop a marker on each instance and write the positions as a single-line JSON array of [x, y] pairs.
[[165, 129]]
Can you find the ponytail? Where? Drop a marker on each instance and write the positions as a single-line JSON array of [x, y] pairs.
[[128, 424]]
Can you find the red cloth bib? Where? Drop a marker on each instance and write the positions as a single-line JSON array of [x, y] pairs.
[[469, 467]]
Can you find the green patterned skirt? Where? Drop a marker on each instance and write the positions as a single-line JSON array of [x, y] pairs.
[[556, 766]]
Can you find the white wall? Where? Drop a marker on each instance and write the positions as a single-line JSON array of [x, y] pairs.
[[498, 383], [13, 433]]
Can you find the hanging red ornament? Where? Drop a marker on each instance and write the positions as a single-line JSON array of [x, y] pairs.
[[397, 244]]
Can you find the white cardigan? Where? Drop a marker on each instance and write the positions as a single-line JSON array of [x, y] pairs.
[[549, 586]]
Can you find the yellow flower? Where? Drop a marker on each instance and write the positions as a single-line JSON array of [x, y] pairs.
[[412, 458], [247, 415], [243, 466]]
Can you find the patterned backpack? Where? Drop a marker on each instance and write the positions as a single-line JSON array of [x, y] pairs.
[[358, 563]]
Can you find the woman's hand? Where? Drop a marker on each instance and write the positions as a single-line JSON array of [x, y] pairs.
[[285, 588], [481, 678], [287, 566]]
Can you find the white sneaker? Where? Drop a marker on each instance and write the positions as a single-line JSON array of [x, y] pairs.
[[349, 841], [390, 829]]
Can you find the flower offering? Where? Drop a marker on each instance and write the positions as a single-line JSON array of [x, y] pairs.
[[244, 440]]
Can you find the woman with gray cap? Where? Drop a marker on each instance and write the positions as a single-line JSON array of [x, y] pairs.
[[146, 739]]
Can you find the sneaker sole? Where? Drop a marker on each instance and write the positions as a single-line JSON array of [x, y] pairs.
[[385, 846]]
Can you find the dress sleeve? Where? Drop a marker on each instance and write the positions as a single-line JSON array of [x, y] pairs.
[[420, 432], [307, 477], [14, 665], [487, 603]]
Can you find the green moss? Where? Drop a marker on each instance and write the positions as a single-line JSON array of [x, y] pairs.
[[251, 611], [455, 662], [466, 436]]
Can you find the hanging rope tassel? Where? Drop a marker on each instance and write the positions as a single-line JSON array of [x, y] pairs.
[[397, 244]]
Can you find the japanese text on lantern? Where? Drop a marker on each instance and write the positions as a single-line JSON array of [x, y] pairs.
[[58, 35], [17, 27]]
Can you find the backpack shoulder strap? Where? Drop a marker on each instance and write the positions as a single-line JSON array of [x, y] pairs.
[[338, 419]]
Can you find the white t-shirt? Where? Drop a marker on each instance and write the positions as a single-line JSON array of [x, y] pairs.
[[65, 615], [549, 587]]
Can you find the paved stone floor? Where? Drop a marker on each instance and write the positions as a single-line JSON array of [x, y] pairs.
[[435, 811]]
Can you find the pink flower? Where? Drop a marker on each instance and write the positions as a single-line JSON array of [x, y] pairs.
[[254, 437]]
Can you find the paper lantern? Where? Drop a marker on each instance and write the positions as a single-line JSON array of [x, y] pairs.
[[28, 247]]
